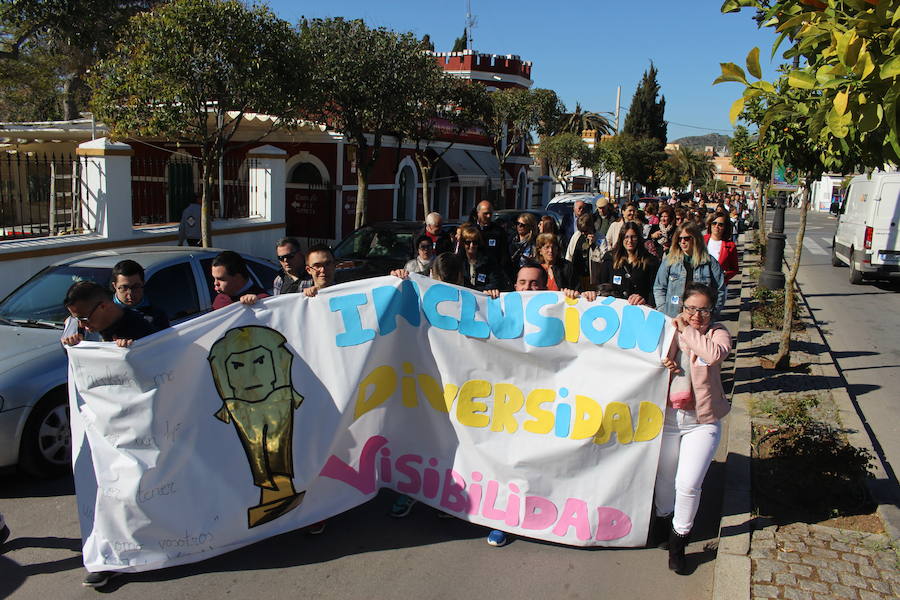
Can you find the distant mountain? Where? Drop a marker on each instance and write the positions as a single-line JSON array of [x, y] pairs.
[[702, 141]]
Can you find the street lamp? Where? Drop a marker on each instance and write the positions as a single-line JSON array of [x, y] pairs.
[[772, 276]]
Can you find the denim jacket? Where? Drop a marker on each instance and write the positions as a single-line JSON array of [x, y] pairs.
[[670, 281]]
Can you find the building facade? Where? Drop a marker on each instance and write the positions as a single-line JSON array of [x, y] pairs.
[[320, 181]]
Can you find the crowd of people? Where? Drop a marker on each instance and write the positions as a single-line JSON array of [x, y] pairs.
[[650, 254]]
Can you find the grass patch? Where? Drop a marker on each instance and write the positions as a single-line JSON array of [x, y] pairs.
[[767, 311], [804, 468]]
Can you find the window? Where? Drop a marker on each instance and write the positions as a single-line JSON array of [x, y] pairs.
[[265, 274], [747, 179], [734, 178], [206, 268], [174, 291]]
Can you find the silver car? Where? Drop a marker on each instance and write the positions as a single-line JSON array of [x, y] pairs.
[[34, 420]]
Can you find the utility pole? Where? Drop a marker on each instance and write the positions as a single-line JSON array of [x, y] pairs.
[[614, 176]]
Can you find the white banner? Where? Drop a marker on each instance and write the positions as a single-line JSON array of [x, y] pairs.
[[532, 414]]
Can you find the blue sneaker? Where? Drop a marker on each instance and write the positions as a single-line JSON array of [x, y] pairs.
[[497, 538], [402, 505]]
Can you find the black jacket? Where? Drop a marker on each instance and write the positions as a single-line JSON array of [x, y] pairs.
[[564, 275], [133, 325], [485, 274], [629, 279], [497, 245]]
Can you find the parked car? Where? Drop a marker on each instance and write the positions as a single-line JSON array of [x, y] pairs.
[[564, 206], [377, 249], [34, 419], [866, 237]]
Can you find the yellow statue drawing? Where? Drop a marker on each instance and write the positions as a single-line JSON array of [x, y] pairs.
[[252, 370]]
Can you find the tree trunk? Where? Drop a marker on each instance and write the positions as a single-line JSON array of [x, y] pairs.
[[501, 201], [426, 188], [70, 92], [362, 195], [206, 202], [761, 215], [783, 358]]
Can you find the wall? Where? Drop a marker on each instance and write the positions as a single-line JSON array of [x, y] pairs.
[[106, 199]]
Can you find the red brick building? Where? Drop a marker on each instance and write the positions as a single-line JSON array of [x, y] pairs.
[[320, 175]]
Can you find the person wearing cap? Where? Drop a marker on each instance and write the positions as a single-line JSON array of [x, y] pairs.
[[602, 217]]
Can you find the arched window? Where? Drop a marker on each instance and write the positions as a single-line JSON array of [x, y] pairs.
[[305, 173]]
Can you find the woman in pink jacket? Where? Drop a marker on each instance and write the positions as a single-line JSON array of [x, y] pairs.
[[694, 411]]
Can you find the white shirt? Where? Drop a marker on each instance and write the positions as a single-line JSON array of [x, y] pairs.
[[714, 247]]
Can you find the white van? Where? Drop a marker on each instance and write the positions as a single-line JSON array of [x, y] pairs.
[[867, 236]]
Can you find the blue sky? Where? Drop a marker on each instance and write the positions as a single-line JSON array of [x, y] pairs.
[[583, 50]]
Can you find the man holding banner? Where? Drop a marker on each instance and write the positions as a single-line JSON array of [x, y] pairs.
[[529, 413]]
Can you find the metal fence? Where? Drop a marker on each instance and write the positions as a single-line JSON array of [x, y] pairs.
[[163, 186], [39, 194]]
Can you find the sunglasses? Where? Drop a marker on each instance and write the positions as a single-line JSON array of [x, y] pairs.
[[682, 238], [693, 310], [470, 242], [286, 257], [520, 224], [425, 246], [719, 223], [87, 318]]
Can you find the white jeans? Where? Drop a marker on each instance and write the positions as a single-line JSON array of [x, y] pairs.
[[687, 449]]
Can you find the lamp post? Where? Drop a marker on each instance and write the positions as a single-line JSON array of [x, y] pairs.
[[772, 276]]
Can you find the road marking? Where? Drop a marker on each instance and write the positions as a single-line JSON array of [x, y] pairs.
[[813, 247]]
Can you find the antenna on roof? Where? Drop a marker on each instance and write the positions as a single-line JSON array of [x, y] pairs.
[[470, 24]]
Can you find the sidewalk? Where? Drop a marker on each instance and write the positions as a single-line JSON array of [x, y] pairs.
[[759, 559]]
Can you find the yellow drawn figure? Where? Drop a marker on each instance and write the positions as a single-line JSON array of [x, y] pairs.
[[252, 370]]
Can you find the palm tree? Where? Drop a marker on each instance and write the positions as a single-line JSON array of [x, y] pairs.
[[695, 165], [579, 120]]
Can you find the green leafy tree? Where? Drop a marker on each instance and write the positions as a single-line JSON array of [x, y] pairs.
[[191, 70], [30, 88], [365, 85], [846, 56], [459, 44], [695, 167], [748, 157], [73, 35], [563, 153], [442, 104], [671, 173], [512, 115], [836, 108], [636, 159], [646, 116]]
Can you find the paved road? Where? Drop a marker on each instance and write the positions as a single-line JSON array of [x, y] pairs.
[[362, 554], [860, 323]]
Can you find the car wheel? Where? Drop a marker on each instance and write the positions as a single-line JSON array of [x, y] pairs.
[[856, 276], [835, 261], [46, 449]]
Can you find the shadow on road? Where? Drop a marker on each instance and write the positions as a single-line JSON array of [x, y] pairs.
[[19, 485]]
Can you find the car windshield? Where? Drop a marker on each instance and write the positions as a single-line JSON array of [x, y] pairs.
[[371, 242], [40, 299]]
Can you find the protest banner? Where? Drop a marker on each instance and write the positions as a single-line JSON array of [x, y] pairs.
[[530, 413]]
